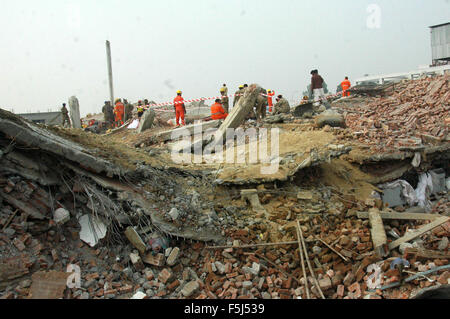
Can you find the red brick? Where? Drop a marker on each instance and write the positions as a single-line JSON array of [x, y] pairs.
[[173, 285], [94, 275], [126, 289], [110, 292], [353, 287], [165, 275], [226, 285], [340, 290], [234, 274]]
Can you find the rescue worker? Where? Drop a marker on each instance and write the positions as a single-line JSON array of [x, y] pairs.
[[128, 110], [345, 86], [260, 106], [305, 99], [282, 106], [225, 100], [238, 95], [108, 114], [140, 109], [217, 111], [180, 108], [270, 94], [65, 115], [119, 111], [224, 87], [317, 87]]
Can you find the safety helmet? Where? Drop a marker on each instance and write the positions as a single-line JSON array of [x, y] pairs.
[[241, 86], [222, 90], [178, 92], [117, 100]]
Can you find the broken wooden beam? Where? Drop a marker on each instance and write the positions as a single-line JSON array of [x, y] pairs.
[[417, 253], [302, 263], [311, 270], [25, 207], [401, 216], [379, 238], [418, 232]]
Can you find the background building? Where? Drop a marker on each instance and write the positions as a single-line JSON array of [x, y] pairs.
[[48, 118], [440, 43]]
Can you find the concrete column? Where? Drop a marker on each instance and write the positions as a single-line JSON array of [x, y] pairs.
[[74, 112], [110, 75]]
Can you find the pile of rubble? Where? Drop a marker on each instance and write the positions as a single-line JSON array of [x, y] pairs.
[[419, 113], [75, 203]]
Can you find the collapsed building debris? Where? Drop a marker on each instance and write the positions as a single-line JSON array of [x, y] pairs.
[[225, 230], [409, 118]]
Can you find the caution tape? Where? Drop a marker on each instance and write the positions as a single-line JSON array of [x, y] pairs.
[[158, 105]]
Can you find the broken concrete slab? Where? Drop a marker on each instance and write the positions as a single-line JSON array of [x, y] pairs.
[[33, 136], [333, 120], [189, 130], [146, 121], [252, 196], [237, 115]]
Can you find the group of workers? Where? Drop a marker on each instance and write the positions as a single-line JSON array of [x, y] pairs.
[[318, 90], [115, 116]]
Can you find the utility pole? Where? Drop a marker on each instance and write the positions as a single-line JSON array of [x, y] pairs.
[[110, 76]]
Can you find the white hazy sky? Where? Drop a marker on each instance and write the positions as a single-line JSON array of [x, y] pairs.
[[53, 49]]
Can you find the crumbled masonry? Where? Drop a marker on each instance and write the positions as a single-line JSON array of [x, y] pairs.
[[138, 225]]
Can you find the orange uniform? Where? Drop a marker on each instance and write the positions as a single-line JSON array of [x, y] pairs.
[[345, 86], [178, 102], [270, 101], [218, 112], [119, 111]]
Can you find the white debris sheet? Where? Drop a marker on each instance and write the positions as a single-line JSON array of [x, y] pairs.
[[92, 229], [134, 124]]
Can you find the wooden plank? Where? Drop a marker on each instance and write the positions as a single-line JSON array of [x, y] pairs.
[[21, 205], [135, 240], [379, 237], [402, 216], [425, 254], [334, 250], [420, 231]]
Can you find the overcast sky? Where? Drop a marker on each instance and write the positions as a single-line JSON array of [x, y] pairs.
[[53, 49]]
